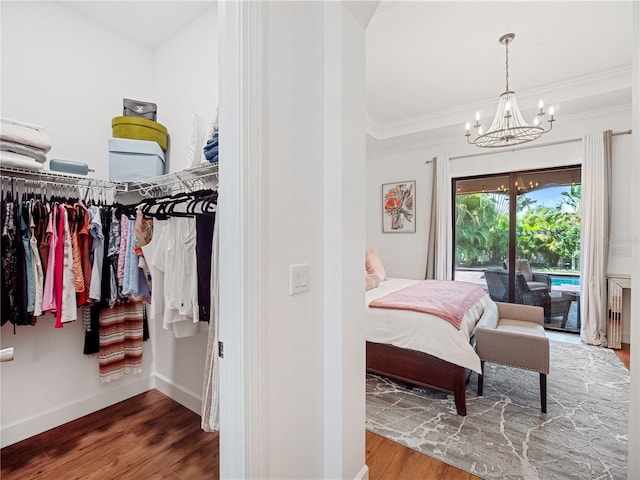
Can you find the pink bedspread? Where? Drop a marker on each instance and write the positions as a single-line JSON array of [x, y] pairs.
[[446, 299]]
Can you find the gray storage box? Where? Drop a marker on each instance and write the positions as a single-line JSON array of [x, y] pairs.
[[133, 160]]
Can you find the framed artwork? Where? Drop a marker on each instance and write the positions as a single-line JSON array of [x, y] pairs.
[[398, 207]]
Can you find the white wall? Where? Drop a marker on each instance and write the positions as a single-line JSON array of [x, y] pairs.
[[292, 389], [66, 74], [296, 196], [404, 255], [69, 74], [186, 81]]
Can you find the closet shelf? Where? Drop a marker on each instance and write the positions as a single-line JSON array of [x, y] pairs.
[[190, 178], [47, 176]]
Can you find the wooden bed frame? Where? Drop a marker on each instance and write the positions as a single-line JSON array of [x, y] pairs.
[[418, 368]]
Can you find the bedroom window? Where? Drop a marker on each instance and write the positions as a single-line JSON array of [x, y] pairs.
[[528, 222]]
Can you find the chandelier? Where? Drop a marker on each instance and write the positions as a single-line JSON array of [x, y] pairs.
[[508, 127]]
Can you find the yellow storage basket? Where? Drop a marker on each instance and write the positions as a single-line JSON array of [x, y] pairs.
[[137, 128]]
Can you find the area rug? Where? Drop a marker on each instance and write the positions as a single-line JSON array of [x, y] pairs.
[[583, 435]]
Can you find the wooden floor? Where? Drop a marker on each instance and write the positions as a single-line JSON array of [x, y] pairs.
[[151, 436]]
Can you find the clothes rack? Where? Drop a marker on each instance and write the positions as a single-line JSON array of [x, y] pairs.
[[47, 177], [189, 179]]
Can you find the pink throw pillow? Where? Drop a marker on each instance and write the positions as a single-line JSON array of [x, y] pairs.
[[374, 265], [372, 281]]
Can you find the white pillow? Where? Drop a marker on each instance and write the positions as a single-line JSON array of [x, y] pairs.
[[201, 131]]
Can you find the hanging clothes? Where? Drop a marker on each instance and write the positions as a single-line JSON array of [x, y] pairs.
[[59, 254], [11, 298], [85, 244], [28, 265], [37, 262], [65, 293], [210, 416], [178, 257], [204, 246], [121, 340], [97, 249], [49, 296]]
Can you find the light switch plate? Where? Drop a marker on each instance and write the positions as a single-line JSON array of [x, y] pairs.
[[298, 278]]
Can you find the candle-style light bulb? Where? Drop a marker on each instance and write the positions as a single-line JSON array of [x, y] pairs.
[[540, 104], [507, 106], [477, 115], [480, 130], [551, 110], [536, 121], [467, 126]]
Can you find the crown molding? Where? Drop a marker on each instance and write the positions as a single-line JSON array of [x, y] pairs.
[[581, 87], [396, 145]]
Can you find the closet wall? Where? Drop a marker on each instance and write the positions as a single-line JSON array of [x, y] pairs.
[[68, 73]]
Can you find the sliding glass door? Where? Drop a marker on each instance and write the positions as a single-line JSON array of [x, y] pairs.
[[518, 235], [481, 226]]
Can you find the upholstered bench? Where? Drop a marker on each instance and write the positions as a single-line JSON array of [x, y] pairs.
[[515, 338]]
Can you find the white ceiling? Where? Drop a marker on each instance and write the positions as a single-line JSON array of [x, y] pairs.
[[149, 23], [431, 65]]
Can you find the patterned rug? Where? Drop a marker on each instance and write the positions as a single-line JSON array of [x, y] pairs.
[[583, 435]]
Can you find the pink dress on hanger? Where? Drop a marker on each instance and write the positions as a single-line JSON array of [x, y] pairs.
[[59, 262], [69, 304], [48, 295]]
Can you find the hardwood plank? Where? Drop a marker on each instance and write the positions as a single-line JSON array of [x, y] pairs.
[[388, 460], [624, 354], [204, 458], [144, 437], [152, 437]]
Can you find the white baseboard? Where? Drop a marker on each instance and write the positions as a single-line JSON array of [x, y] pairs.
[[29, 427], [179, 393], [363, 474]]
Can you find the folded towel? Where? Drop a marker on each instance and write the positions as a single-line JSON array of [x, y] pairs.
[[212, 142], [209, 153], [25, 135], [36, 153], [15, 160], [22, 124]]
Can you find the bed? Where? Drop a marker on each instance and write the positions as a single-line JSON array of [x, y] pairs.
[[421, 348]]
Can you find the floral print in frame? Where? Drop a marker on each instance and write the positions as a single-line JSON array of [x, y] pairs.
[[398, 207]]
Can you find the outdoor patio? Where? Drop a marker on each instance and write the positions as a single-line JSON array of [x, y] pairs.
[[477, 277]]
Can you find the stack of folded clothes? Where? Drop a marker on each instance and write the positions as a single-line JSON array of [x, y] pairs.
[[210, 149], [23, 145]]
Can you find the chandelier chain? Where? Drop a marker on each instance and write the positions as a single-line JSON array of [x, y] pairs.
[[506, 45]]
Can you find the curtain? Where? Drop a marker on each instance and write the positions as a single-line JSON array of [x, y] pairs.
[[439, 249], [594, 236]]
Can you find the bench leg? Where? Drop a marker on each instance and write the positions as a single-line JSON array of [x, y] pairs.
[[543, 392], [481, 378]]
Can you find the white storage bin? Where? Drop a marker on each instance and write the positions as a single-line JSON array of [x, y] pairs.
[[132, 160]]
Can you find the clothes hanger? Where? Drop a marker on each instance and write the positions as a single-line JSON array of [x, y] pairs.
[[206, 203]]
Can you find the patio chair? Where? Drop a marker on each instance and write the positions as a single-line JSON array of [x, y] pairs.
[[535, 281], [498, 286]]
